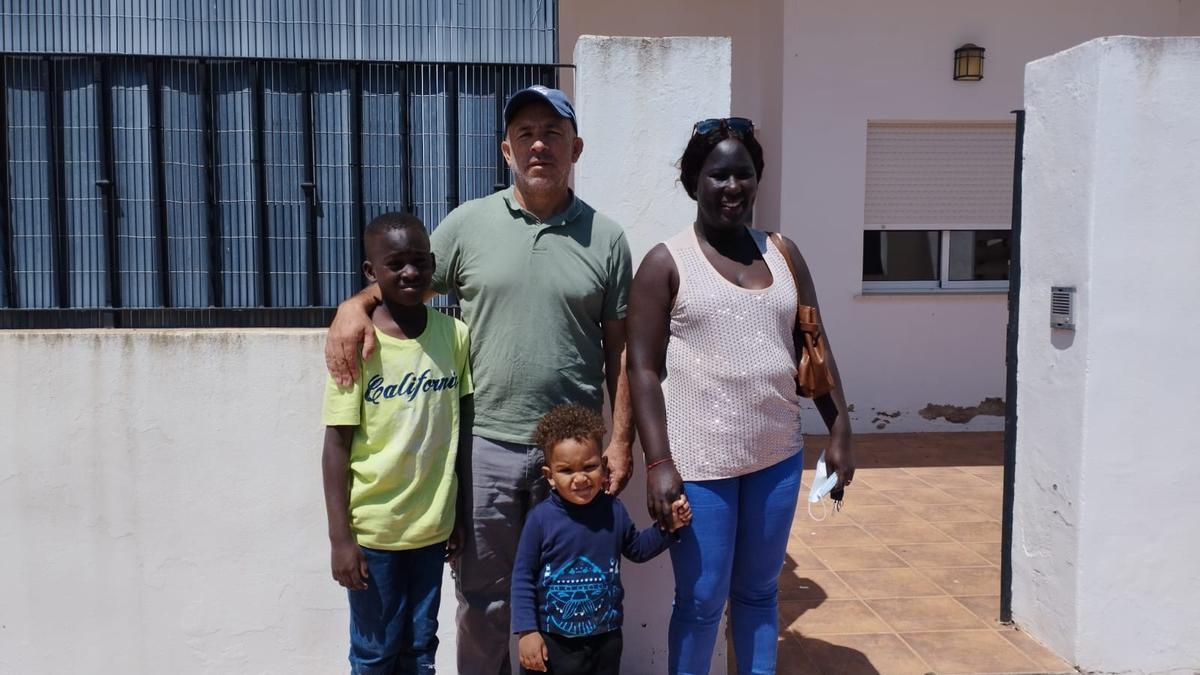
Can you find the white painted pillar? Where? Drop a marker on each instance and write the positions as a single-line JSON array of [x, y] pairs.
[[1107, 506], [637, 99]]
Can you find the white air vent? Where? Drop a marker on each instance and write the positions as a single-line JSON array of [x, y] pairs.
[[1062, 307]]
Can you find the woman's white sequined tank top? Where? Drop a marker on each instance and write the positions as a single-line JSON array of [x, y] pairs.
[[730, 386]]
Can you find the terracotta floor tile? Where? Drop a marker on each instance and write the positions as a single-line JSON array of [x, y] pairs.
[[889, 479], [938, 555], [965, 580], [801, 558], [988, 496], [861, 495], [987, 532], [867, 473], [993, 512], [920, 614], [957, 479], [986, 607], [990, 552], [832, 518], [924, 472], [906, 533], [925, 495], [902, 582], [830, 616], [977, 651], [941, 513], [812, 585], [790, 658], [877, 514], [918, 542], [991, 474], [857, 557], [1045, 659], [837, 535], [866, 654]]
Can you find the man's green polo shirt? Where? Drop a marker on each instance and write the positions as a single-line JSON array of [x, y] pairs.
[[533, 293]]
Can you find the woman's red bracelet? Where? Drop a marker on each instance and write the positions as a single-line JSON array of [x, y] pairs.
[[654, 464]]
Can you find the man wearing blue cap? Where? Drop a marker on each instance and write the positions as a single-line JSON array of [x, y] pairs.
[[543, 281]]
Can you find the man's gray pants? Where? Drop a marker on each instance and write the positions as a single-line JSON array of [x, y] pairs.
[[505, 483]]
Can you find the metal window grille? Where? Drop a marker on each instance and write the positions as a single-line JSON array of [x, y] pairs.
[[145, 191]]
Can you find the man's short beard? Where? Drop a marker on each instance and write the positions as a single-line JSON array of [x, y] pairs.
[[540, 186]]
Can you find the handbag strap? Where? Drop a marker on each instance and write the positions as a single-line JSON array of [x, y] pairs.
[[787, 258], [813, 328]]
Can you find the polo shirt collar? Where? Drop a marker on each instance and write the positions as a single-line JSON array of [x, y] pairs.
[[561, 218]]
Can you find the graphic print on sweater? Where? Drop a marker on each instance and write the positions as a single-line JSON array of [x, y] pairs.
[[580, 596]]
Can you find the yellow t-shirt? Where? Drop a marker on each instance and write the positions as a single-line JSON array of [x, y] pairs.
[[406, 407]]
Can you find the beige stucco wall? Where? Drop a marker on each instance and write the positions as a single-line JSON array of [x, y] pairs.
[[814, 72]]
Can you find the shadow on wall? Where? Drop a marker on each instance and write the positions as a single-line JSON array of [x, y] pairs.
[[1062, 340], [800, 655]]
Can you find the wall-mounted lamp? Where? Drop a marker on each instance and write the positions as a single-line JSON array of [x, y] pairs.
[[968, 62]]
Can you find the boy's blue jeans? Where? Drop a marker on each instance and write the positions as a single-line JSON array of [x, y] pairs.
[[393, 623], [733, 549]]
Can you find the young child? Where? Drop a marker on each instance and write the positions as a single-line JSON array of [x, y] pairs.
[[566, 586], [393, 445]]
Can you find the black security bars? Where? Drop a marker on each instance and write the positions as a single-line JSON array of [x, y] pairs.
[[235, 239]]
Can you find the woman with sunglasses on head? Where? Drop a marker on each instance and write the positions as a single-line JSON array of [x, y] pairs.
[[712, 366]]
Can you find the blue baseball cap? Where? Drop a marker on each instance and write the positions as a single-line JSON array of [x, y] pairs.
[[555, 98]]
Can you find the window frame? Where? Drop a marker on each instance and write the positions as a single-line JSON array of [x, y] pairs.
[[943, 284]]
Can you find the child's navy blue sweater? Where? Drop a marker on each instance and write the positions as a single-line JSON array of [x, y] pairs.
[[567, 575]]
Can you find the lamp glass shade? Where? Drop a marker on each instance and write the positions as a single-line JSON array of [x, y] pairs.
[[968, 62]]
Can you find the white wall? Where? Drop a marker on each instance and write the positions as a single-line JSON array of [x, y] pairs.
[[1055, 249], [813, 72], [1105, 549], [623, 174], [161, 506], [627, 170]]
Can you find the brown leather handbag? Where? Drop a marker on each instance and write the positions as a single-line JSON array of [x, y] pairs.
[[812, 374]]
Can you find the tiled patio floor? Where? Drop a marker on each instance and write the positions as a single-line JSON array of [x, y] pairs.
[[906, 578]]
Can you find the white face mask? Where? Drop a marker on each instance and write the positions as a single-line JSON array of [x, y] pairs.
[[822, 484]]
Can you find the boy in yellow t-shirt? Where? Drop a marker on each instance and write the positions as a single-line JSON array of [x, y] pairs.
[[395, 448]]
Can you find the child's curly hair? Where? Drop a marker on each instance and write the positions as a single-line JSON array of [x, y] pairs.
[[568, 421]]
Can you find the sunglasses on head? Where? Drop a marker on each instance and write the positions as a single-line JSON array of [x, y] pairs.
[[739, 125]]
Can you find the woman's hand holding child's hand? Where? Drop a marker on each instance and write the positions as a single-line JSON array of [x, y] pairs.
[[532, 649], [681, 513]]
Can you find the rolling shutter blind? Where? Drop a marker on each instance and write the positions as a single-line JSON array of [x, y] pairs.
[[948, 175]]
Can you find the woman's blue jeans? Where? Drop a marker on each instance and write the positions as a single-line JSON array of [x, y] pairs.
[[393, 623], [734, 549]]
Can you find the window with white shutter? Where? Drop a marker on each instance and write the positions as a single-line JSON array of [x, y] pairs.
[[938, 205]]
